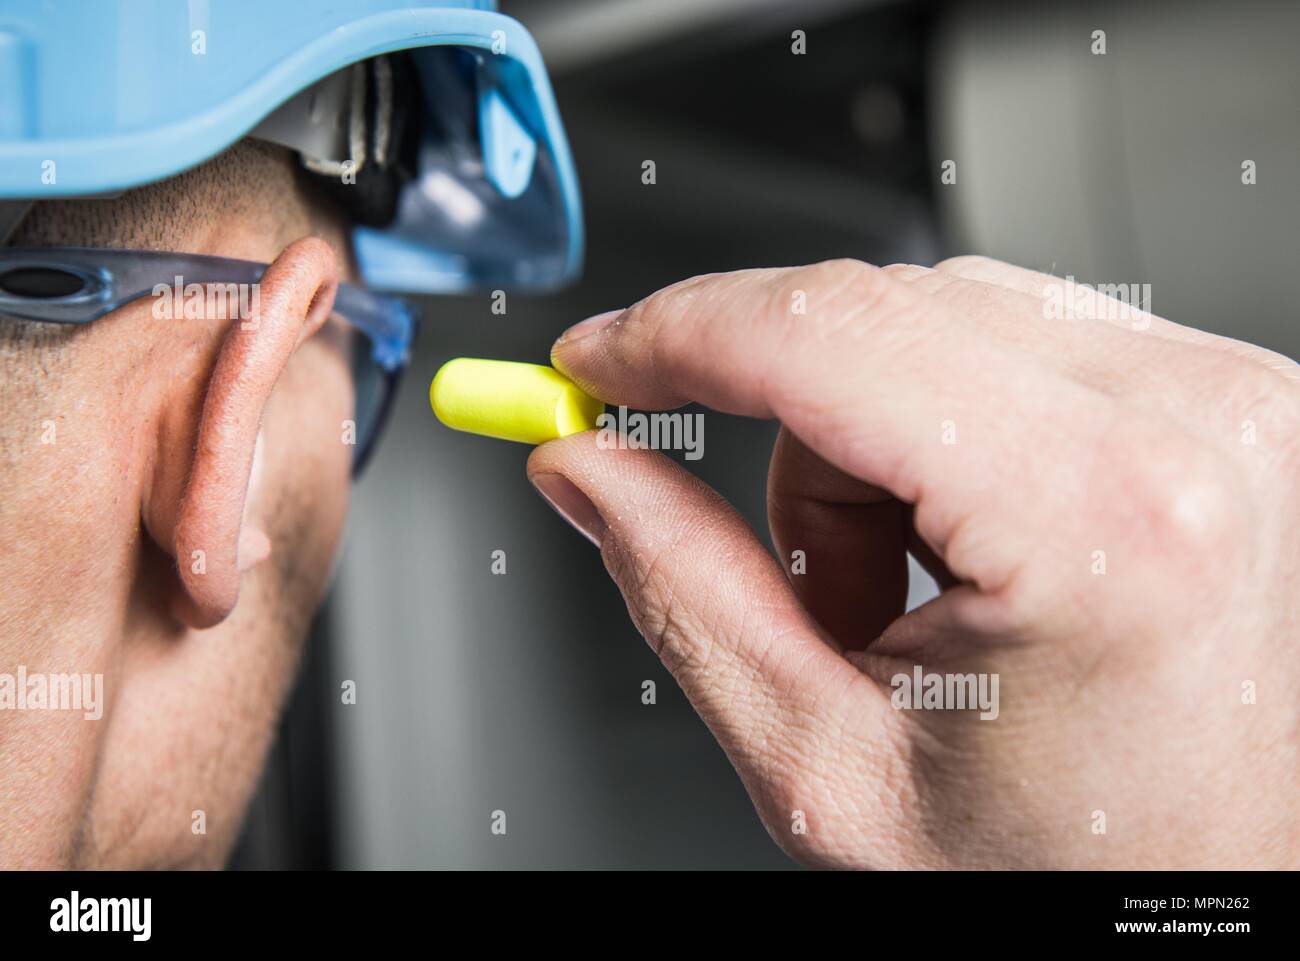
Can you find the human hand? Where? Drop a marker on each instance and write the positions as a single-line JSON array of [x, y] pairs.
[[1109, 502]]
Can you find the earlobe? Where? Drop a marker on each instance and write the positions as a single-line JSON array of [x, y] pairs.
[[202, 519]]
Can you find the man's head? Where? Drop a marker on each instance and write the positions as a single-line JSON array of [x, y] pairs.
[[138, 543]]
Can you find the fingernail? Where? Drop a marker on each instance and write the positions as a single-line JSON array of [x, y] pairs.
[[589, 326], [571, 504]]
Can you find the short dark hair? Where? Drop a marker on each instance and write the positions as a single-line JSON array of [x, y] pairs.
[[252, 180]]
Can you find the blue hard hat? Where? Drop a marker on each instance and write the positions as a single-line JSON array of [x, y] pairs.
[[99, 96]]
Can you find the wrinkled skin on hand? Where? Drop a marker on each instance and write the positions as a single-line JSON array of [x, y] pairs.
[[1109, 501]]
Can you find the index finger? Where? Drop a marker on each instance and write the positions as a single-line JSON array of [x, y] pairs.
[[871, 374]]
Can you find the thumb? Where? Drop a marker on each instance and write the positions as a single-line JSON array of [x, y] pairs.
[[709, 599]]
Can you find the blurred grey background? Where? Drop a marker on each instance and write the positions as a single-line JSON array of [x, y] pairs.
[[522, 693]]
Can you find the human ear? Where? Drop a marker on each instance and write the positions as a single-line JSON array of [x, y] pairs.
[[195, 509]]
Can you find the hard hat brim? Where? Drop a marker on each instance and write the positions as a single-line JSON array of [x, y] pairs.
[[114, 97]]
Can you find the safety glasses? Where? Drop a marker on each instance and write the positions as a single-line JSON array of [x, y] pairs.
[[78, 285]]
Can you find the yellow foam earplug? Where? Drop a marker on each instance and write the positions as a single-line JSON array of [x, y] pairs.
[[529, 403]]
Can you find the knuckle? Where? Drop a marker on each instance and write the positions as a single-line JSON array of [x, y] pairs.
[[859, 296], [666, 326], [968, 262], [907, 272], [655, 608], [1197, 514], [655, 308], [640, 325], [823, 809], [1184, 495], [792, 803], [669, 302], [844, 274], [682, 648], [1262, 401]]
